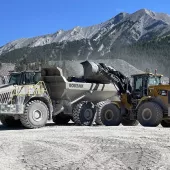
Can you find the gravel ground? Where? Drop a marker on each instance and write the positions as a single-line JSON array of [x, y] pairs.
[[81, 148]]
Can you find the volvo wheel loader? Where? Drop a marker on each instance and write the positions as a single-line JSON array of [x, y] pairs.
[[33, 97], [145, 100]]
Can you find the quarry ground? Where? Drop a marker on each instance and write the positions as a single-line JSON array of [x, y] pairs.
[[75, 148]]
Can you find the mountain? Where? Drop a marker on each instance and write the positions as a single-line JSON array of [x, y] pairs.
[[134, 38], [77, 33]]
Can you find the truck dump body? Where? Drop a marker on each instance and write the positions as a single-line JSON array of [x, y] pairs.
[[61, 89], [72, 90]]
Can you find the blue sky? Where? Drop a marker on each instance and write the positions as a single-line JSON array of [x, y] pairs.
[[28, 18]]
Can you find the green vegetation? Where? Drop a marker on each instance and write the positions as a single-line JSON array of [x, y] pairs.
[[153, 54]]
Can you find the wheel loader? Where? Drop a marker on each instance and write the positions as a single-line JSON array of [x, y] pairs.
[[145, 100], [31, 98]]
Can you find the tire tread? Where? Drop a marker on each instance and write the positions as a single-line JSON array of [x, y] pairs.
[[158, 113], [99, 107], [24, 117]]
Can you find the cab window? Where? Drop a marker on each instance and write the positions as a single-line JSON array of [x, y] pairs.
[[154, 81], [14, 79], [138, 83], [32, 78]]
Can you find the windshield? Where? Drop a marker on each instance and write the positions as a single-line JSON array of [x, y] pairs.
[[154, 80], [25, 78], [32, 77], [14, 79]]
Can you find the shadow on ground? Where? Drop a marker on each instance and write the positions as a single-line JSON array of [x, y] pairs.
[[51, 124]]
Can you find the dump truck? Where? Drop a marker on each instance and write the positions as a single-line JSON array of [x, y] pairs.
[[146, 100], [31, 98]]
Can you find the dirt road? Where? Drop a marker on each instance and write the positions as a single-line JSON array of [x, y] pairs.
[[81, 148]]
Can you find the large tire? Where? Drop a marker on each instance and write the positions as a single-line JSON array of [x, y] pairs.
[[110, 115], [35, 114], [99, 108], [127, 122], [165, 123], [61, 119], [84, 113], [9, 121], [150, 114]]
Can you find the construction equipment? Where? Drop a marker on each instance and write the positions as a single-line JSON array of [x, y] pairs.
[[146, 100], [33, 97], [101, 94]]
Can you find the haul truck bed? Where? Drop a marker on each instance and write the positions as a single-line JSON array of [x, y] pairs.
[[71, 97]]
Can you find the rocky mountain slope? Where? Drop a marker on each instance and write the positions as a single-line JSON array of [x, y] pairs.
[[125, 36], [124, 28]]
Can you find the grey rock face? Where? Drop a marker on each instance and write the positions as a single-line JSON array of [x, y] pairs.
[[124, 29]]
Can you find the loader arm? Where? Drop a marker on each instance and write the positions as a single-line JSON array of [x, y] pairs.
[[116, 77], [101, 73]]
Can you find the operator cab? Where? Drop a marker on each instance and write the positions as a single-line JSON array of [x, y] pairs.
[[141, 82], [24, 78]]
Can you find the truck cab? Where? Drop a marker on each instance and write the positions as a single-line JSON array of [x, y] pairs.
[[24, 78]]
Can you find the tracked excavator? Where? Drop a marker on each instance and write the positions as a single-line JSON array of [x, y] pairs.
[[145, 100]]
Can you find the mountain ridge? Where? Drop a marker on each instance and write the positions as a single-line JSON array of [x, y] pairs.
[[141, 39], [141, 20]]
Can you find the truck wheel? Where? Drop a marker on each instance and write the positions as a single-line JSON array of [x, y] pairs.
[[127, 122], [99, 108], [61, 119], [9, 121], [110, 115], [83, 113], [35, 114], [150, 114], [165, 123]]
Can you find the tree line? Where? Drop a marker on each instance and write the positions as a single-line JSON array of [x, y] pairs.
[[153, 54]]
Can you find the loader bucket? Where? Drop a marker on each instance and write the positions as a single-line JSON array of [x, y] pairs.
[[92, 74]]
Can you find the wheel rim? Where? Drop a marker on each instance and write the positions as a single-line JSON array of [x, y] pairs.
[[109, 115], [37, 115], [88, 114], [147, 114]]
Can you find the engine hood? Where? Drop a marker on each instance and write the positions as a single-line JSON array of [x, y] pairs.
[[5, 85], [6, 88]]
